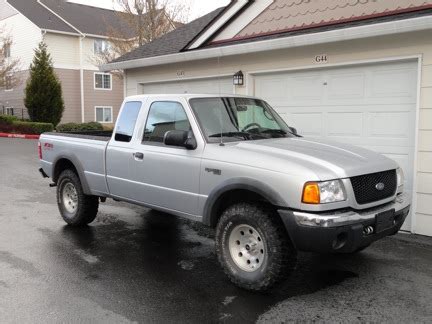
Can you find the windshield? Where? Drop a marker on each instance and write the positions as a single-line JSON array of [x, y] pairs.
[[234, 119]]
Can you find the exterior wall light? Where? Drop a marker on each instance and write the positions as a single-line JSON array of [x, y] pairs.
[[238, 78]]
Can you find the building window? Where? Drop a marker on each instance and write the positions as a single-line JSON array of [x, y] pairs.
[[103, 81], [8, 82], [104, 114], [10, 111], [101, 46], [7, 50]]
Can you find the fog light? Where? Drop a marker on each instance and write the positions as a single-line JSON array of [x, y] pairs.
[[340, 241]]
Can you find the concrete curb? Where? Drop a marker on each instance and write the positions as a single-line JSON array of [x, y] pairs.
[[22, 136]]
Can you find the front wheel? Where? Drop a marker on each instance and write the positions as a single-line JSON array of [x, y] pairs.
[[253, 247], [76, 208]]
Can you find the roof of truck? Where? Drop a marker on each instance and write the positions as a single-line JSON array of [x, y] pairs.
[[185, 96]]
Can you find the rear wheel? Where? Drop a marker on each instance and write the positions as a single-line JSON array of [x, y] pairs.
[[253, 247], [76, 208]]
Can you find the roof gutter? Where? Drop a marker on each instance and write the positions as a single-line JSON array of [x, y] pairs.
[[345, 34]]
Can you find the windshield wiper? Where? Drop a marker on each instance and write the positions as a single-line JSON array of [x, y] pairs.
[[274, 131], [243, 135]]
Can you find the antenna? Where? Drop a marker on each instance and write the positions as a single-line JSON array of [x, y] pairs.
[[220, 104]]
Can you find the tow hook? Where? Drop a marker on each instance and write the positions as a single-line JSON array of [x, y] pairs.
[[53, 185]]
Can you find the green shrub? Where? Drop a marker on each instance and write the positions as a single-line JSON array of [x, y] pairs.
[[8, 120], [11, 125], [75, 127], [34, 128]]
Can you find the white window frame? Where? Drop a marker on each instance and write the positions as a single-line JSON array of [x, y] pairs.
[[7, 49], [103, 74], [104, 107], [104, 48], [5, 82], [8, 110]]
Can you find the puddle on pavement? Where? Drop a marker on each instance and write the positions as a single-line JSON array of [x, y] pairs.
[[168, 265]]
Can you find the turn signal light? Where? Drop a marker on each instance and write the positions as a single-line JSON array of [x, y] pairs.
[[311, 193]]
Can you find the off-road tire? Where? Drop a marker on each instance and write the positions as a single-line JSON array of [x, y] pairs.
[[280, 258], [360, 249], [87, 206]]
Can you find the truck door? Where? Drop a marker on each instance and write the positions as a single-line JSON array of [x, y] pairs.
[[168, 176], [120, 154]]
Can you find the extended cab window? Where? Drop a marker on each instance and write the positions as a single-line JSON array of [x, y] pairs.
[[163, 117], [127, 120]]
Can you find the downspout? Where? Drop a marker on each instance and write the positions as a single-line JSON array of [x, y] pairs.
[[81, 39]]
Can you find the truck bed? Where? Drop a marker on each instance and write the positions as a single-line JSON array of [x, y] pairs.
[[90, 135]]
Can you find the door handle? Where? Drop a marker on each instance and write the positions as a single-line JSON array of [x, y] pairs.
[[138, 156]]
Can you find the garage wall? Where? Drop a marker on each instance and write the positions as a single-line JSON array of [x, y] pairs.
[[337, 53]]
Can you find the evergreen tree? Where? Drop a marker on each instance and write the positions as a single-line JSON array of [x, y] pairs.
[[43, 93]]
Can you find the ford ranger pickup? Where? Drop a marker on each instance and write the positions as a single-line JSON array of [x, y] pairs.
[[232, 163]]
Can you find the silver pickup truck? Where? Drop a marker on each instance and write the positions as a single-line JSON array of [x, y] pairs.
[[232, 163]]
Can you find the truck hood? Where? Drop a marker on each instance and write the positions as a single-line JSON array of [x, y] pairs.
[[327, 159]]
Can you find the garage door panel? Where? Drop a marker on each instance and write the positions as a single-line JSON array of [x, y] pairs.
[[344, 124], [396, 83], [309, 124], [306, 88], [274, 89], [391, 124], [346, 86]]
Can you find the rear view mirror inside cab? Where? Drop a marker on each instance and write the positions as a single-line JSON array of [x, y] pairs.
[[241, 108]]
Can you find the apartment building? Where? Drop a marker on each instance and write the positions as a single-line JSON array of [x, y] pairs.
[[74, 33]]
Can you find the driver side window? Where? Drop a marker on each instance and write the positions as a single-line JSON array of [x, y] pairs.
[[164, 116]]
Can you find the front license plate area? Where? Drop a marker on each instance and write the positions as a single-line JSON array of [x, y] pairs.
[[384, 220]]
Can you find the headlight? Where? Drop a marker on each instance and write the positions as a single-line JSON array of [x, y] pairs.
[[323, 192], [400, 179]]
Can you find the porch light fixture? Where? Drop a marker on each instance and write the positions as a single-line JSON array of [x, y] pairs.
[[238, 78]]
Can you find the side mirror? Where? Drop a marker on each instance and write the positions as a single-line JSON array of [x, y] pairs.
[[293, 130], [181, 139]]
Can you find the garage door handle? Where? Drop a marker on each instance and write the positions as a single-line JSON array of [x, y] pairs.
[[138, 156]]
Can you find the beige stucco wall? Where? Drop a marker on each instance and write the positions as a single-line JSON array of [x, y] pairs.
[[410, 44], [70, 81], [64, 50]]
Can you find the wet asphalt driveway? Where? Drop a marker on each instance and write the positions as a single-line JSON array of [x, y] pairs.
[[136, 265]]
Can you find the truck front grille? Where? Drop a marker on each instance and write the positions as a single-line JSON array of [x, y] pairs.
[[374, 187]]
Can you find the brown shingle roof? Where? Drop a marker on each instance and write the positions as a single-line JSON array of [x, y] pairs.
[[86, 19], [286, 15], [40, 16], [173, 42]]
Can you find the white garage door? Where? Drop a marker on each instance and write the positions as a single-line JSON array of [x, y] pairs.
[[203, 86], [372, 106]]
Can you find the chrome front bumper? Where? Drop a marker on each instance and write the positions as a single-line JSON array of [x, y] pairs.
[[347, 217], [345, 231]]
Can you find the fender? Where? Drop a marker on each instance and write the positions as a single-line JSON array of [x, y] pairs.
[[262, 189], [78, 166]]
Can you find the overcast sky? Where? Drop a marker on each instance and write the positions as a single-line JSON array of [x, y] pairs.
[[198, 8]]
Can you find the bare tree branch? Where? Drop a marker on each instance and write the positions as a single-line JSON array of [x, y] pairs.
[[142, 21], [8, 66]]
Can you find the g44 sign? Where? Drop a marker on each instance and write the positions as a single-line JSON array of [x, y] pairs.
[[321, 59]]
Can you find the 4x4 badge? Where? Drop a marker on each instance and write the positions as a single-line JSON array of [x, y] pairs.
[[214, 171]]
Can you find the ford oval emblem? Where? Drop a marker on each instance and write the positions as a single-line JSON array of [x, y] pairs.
[[380, 186]]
